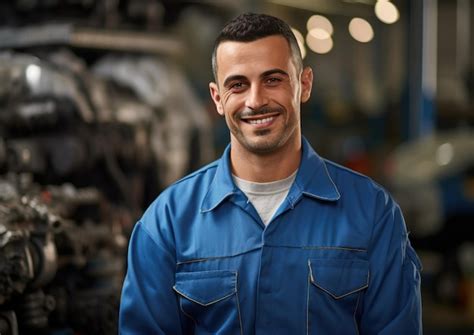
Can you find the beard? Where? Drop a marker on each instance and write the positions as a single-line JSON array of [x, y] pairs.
[[263, 141]]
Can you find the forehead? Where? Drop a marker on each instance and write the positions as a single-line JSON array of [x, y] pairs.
[[246, 58]]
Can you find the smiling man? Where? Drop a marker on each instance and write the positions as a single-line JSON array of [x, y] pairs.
[[259, 88], [271, 238]]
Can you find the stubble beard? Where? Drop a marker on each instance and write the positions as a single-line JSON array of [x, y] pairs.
[[265, 143]]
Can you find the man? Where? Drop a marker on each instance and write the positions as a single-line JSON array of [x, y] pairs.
[[271, 238]]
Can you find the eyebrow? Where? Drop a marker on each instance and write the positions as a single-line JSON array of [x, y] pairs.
[[274, 71], [235, 77], [267, 73]]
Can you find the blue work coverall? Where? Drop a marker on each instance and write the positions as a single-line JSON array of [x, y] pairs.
[[335, 259]]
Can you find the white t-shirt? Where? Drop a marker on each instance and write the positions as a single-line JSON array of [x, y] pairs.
[[266, 197]]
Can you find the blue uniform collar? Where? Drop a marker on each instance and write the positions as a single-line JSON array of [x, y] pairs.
[[312, 180]]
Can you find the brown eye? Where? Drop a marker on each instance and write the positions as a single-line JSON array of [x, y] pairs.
[[273, 81], [237, 86]]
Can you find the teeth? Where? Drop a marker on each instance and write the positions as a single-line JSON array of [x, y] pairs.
[[260, 121]]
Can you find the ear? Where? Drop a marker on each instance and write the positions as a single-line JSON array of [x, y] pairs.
[[306, 83], [214, 90]]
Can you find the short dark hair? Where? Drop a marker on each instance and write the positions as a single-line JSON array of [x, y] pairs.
[[250, 27]]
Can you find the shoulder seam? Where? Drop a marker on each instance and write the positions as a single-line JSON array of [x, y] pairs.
[[355, 173], [202, 170], [339, 166], [141, 225]]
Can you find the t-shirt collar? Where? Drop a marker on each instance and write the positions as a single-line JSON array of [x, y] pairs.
[[312, 179]]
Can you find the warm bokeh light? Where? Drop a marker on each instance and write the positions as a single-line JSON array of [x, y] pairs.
[[361, 30], [444, 154], [300, 40], [386, 11], [321, 22], [298, 35], [320, 46], [302, 49], [319, 33]]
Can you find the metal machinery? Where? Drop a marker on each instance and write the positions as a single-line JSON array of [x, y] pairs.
[[95, 120], [72, 181], [82, 152]]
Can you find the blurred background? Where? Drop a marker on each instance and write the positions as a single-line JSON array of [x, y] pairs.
[[105, 103]]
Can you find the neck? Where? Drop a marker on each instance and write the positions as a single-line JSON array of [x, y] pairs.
[[263, 168]]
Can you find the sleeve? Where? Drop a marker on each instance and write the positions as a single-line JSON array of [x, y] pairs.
[[392, 303], [148, 303]]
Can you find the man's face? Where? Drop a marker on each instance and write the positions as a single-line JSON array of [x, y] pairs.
[[259, 91]]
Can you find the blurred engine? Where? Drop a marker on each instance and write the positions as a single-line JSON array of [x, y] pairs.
[[76, 169], [60, 266]]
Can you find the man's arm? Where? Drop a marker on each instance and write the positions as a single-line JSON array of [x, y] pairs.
[[149, 304], [392, 303]]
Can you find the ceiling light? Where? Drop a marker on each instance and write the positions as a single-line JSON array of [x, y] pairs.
[[298, 35], [386, 11], [300, 40], [319, 33], [361, 30], [320, 46], [444, 154], [319, 21]]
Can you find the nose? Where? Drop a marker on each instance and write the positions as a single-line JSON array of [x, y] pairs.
[[256, 98]]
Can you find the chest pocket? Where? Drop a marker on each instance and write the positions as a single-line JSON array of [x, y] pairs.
[[210, 300], [334, 290]]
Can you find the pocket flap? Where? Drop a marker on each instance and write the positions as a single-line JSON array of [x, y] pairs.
[[206, 287], [339, 277]]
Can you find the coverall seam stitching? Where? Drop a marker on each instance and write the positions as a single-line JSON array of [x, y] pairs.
[[238, 305], [338, 297], [182, 310], [204, 304], [317, 248], [204, 259], [310, 274], [354, 314], [334, 248]]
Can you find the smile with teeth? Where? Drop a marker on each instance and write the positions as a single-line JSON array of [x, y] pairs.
[[260, 121]]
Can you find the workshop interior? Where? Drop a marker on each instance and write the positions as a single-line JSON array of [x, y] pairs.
[[103, 104]]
